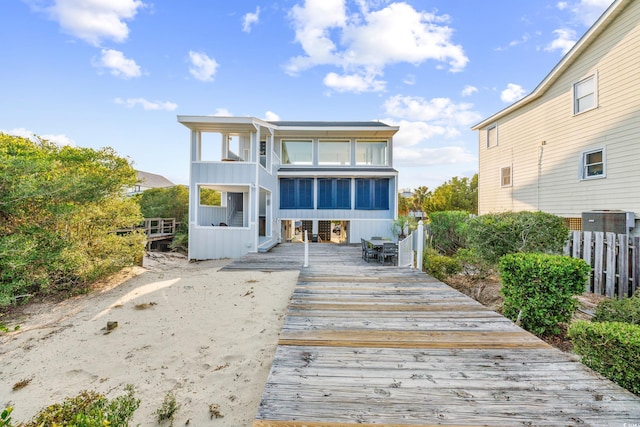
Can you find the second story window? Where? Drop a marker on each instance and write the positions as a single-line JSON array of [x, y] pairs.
[[334, 153], [492, 136], [297, 153], [585, 95], [371, 153]]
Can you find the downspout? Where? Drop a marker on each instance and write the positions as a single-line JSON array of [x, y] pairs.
[[540, 153]]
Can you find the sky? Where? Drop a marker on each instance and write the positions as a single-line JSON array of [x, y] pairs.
[[117, 73]]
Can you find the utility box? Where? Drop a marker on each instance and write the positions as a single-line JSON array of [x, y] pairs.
[[609, 221]]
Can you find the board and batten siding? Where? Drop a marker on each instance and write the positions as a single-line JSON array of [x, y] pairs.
[[543, 141]]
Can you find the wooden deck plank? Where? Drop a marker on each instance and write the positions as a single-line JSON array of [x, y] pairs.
[[369, 345]]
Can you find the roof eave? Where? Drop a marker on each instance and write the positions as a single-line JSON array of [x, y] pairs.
[[611, 13]]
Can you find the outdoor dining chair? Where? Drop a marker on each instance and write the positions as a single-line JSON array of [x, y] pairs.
[[368, 251], [389, 250]]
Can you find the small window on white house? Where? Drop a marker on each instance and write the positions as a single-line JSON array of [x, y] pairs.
[[492, 136], [585, 95], [593, 164], [505, 177]]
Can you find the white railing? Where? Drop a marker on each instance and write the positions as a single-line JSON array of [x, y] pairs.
[[407, 255], [405, 252]]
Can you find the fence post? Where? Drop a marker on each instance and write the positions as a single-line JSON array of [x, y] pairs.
[[420, 245], [306, 249]]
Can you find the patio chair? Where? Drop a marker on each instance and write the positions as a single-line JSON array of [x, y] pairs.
[[368, 251], [389, 250]]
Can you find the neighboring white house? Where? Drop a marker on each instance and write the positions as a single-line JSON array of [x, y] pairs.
[[573, 144], [332, 179], [147, 181]]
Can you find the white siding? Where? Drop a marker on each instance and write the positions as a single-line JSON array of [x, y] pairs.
[[548, 127]]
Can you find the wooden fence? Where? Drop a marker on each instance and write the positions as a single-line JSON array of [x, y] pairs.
[[614, 260]]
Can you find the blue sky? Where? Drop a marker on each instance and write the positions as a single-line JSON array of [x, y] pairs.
[[96, 73]]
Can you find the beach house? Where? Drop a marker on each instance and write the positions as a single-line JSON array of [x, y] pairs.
[[279, 179]]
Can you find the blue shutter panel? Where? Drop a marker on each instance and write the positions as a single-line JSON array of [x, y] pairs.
[[381, 194], [287, 194], [343, 194], [324, 193], [305, 193]]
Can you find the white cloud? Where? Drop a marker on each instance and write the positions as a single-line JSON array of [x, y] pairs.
[[364, 42], [525, 38], [431, 156], [564, 41], [512, 93], [250, 19], [469, 90], [270, 116], [562, 5], [409, 80], [59, 139], [117, 64], [92, 20], [146, 105], [441, 111], [202, 67], [222, 112], [354, 83], [587, 11]]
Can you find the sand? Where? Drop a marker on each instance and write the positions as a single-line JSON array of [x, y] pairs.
[[206, 335]]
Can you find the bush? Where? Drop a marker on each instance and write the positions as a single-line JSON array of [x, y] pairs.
[[89, 409], [626, 310], [498, 234], [60, 207], [448, 231], [611, 349], [440, 266], [538, 289]]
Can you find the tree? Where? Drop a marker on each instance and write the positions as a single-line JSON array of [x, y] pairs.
[[59, 212], [170, 202], [420, 198], [459, 194]]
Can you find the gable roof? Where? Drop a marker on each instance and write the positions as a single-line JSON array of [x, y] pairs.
[[151, 180], [581, 45]]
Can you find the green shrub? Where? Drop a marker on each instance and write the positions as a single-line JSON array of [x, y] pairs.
[[610, 348], [538, 289], [472, 264], [448, 231], [440, 266], [5, 417], [168, 409], [626, 310], [89, 409], [498, 234]]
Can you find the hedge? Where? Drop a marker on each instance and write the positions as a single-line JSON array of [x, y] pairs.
[[624, 310], [610, 348], [539, 289]]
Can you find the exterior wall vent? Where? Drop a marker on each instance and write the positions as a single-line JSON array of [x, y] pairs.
[[613, 221]]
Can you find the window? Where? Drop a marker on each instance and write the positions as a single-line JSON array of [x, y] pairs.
[[296, 193], [592, 164], [334, 193], [492, 136], [584, 95], [372, 194], [505, 177], [334, 152], [371, 153], [297, 152]]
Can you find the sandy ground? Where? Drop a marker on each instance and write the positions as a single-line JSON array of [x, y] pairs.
[[206, 335]]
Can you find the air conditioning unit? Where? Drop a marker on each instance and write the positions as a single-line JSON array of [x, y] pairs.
[[610, 221]]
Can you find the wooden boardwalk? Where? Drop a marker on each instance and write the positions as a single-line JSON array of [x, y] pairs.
[[370, 345]]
